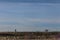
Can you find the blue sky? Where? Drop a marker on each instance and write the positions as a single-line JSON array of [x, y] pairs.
[[28, 15], [41, 1]]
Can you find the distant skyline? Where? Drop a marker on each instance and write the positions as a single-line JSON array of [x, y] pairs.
[[36, 15]]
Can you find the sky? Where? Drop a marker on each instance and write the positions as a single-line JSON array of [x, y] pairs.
[[29, 15]]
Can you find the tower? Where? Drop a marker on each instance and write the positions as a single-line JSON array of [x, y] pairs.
[[15, 34], [15, 31], [46, 30]]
